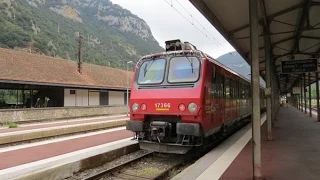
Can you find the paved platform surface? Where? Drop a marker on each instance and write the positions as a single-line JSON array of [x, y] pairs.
[[31, 154], [293, 155], [61, 123]]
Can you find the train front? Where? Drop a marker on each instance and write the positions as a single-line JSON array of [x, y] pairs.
[[165, 100]]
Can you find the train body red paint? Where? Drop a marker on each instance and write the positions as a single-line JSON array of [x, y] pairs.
[[180, 98]]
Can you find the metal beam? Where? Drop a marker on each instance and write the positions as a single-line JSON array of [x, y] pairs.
[[278, 42], [279, 56], [301, 87], [310, 110], [284, 11], [268, 86], [317, 93], [305, 93], [255, 81], [301, 21], [299, 95], [270, 17], [310, 37], [296, 81], [317, 54]]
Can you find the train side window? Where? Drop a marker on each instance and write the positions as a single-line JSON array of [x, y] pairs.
[[222, 85], [237, 89], [232, 88], [243, 92], [214, 83], [219, 85], [227, 87]]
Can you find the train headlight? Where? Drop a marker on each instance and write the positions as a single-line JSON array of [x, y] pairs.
[[182, 107], [143, 107], [193, 107], [135, 107]]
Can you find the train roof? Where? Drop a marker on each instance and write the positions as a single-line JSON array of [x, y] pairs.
[[197, 52]]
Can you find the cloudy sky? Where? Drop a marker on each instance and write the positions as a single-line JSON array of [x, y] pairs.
[[175, 22]]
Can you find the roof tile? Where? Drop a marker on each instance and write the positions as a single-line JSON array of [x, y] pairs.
[[22, 66]]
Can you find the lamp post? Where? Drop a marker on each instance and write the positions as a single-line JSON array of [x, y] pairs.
[[129, 62]]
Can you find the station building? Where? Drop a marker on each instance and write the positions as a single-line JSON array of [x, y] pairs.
[[40, 81]]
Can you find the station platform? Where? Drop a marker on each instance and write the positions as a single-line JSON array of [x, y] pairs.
[[60, 123], [293, 153], [31, 132], [89, 137]]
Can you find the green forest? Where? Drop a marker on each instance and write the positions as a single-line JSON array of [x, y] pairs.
[[41, 30]]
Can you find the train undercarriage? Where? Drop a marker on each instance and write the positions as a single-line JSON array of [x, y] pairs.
[[167, 134]]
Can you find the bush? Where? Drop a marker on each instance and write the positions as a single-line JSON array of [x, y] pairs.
[[12, 125]]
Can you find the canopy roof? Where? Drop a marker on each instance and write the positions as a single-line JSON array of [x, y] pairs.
[[292, 27]]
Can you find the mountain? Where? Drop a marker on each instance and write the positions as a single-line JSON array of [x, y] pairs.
[[234, 61], [111, 35]]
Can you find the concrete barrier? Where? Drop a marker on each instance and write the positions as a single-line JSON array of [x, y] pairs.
[[44, 114]]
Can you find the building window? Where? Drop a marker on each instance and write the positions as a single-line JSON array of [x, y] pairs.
[[72, 91], [104, 98]]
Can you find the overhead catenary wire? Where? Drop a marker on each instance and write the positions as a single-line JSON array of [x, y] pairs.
[[214, 40]]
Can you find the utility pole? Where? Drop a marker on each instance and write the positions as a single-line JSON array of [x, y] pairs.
[[79, 54]]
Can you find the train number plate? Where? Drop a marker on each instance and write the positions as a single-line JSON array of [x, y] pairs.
[[162, 106]]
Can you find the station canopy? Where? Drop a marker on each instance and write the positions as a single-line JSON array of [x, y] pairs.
[[291, 26]]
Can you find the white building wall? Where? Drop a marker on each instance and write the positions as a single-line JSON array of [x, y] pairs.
[[116, 98], [94, 98], [69, 99], [82, 97]]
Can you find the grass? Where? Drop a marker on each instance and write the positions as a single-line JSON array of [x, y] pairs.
[[150, 172], [12, 125]]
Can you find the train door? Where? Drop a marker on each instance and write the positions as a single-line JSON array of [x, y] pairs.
[[222, 102], [238, 97], [216, 100], [227, 99]]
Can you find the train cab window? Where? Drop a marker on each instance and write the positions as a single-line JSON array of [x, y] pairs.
[[152, 71], [184, 69]]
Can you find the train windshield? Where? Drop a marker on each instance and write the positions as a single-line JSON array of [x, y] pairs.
[[183, 69], [152, 71]]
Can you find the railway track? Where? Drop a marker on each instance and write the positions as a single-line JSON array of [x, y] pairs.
[[156, 166], [148, 166]]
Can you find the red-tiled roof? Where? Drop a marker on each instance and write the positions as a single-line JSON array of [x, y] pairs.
[[24, 67]]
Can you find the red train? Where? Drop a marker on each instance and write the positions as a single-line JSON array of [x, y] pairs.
[[182, 97]]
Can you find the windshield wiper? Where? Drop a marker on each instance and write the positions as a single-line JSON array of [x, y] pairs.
[[191, 64], [146, 68]]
